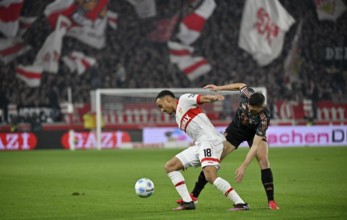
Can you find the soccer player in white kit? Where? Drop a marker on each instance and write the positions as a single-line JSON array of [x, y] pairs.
[[207, 149]]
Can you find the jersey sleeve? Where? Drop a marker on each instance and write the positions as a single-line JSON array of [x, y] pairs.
[[245, 94], [263, 125], [191, 99], [244, 91]]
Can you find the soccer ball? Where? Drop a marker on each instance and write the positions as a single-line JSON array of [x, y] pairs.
[[144, 187]]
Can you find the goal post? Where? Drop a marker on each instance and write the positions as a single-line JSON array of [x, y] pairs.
[[127, 109]]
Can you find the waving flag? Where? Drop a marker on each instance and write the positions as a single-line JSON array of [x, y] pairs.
[[9, 16], [192, 24], [263, 26], [49, 54], [79, 62], [194, 67], [179, 51], [112, 19], [88, 19], [31, 75], [329, 9], [11, 48]]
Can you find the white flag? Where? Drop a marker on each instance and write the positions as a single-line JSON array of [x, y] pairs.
[[193, 67], [9, 17], [31, 75], [263, 26], [88, 21], [49, 54], [112, 19], [191, 25], [11, 48], [329, 9], [79, 62], [179, 51]]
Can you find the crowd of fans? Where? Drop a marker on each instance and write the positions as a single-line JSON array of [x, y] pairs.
[[131, 60]]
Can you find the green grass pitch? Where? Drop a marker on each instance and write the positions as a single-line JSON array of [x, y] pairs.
[[310, 183]]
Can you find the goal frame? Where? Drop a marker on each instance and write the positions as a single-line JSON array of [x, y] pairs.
[[147, 91]]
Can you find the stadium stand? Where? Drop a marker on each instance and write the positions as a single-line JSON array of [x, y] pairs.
[[132, 60]]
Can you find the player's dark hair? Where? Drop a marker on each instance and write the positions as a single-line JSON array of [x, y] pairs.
[[257, 99], [165, 93]]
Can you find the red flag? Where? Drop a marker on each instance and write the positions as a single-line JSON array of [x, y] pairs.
[[31, 75], [79, 62], [194, 67], [88, 20], [112, 19], [192, 24], [9, 16], [11, 48], [179, 51]]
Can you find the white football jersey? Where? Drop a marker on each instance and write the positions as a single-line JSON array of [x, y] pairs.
[[194, 122]]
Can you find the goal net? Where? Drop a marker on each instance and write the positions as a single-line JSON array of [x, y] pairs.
[[129, 118]]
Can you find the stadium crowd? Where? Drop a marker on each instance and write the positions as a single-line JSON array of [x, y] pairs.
[[131, 60]]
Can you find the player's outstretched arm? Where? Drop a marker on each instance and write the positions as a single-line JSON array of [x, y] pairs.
[[249, 157], [211, 98], [231, 87]]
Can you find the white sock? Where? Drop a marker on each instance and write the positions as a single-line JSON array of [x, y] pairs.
[[181, 187], [223, 186]]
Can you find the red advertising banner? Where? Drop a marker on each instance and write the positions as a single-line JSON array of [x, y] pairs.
[[17, 141], [87, 140], [326, 111]]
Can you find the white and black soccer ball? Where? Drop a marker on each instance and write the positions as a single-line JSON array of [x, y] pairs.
[[144, 187]]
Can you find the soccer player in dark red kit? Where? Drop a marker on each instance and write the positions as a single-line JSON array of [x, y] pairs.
[[249, 124]]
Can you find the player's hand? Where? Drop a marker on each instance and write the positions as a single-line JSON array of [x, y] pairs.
[[219, 97], [239, 174], [211, 87]]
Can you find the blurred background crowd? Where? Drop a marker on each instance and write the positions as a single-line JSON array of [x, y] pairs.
[[131, 59]]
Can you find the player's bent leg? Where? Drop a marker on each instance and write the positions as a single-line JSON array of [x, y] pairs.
[[174, 164], [229, 192], [210, 173], [172, 168], [227, 149], [224, 187], [201, 182]]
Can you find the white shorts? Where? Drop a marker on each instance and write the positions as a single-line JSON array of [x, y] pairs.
[[201, 155]]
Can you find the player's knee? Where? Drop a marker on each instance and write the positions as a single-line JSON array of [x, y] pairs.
[[264, 163], [171, 166], [210, 175], [168, 167]]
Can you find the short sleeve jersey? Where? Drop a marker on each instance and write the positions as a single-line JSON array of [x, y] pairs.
[[191, 119], [243, 118]]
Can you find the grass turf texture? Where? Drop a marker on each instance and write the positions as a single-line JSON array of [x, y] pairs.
[[56, 184]]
